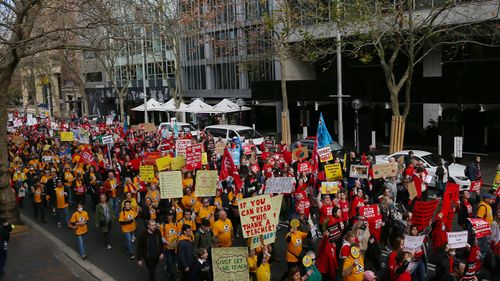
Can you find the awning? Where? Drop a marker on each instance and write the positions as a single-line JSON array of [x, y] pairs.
[[152, 105], [227, 106]]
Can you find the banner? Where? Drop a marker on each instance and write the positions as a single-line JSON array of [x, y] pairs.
[[206, 182], [333, 171], [300, 153], [480, 227], [325, 154], [413, 243], [385, 170], [256, 215], [230, 264], [171, 185], [177, 163], [163, 163], [304, 167], [279, 185], [193, 157], [457, 239], [423, 212], [180, 147], [330, 187], [369, 212], [146, 172], [67, 136], [359, 171], [475, 186]]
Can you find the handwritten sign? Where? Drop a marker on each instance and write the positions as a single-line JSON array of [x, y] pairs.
[[193, 157], [177, 163], [163, 163], [413, 243], [171, 185], [359, 171], [369, 212], [107, 139], [256, 215], [300, 153], [423, 212], [450, 197], [330, 187], [325, 154], [385, 170], [206, 182], [333, 171], [269, 238], [480, 227], [230, 264], [67, 136], [147, 172], [304, 167], [458, 239], [180, 147], [279, 185]]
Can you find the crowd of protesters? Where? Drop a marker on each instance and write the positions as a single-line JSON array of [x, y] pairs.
[[65, 181]]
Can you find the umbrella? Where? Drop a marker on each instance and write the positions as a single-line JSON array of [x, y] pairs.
[[227, 106], [197, 106], [170, 105], [152, 105]]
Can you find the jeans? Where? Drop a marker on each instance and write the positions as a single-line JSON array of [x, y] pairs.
[[441, 187], [170, 260], [115, 202], [81, 247], [62, 214], [3, 254], [128, 236], [419, 273]]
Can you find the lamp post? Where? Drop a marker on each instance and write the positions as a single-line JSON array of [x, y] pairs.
[[240, 102], [356, 105]]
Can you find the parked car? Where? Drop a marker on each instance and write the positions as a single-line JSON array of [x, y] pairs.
[[431, 162], [228, 132], [335, 147], [183, 127]]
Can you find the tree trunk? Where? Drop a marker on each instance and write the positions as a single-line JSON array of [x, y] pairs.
[[397, 134], [122, 107], [285, 115], [8, 207]]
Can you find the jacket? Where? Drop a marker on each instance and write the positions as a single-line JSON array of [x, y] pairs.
[[185, 257], [100, 217], [143, 247], [202, 240]]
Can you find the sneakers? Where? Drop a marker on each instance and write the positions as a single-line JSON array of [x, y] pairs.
[[84, 257], [108, 247], [132, 257], [133, 239], [59, 225]]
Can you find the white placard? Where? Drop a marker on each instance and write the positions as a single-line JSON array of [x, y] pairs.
[[107, 139], [413, 243], [457, 239]]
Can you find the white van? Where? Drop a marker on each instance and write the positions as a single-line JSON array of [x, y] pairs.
[[227, 132]]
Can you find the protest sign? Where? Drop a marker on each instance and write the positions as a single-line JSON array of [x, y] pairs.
[[330, 187], [84, 136], [171, 185], [385, 170], [180, 147], [163, 163], [279, 185], [247, 149], [67, 136], [193, 157], [475, 186], [480, 227], [87, 157], [423, 212], [300, 153], [265, 239], [333, 171], [46, 158], [255, 168], [335, 231], [256, 215], [457, 239], [177, 163], [146, 172], [219, 148], [450, 197], [304, 167], [325, 154], [46, 147], [359, 171], [206, 182], [412, 190], [369, 212], [413, 243], [230, 264], [204, 158], [269, 144]]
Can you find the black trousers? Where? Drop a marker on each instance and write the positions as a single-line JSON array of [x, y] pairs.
[[38, 208], [151, 263]]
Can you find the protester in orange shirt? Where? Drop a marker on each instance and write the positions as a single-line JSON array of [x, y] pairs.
[[78, 222], [223, 230]]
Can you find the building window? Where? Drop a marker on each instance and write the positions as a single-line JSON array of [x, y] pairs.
[[93, 77], [255, 9], [227, 76], [226, 43], [260, 71], [150, 73]]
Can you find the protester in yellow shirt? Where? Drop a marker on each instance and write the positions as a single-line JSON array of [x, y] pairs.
[[179, 212], [353, 266], [129, 186], [484, 209], [154, 195], [61, 203], [263, 272], [133, 202], [295, 239], [189, 199], [206, 211], [186, 220], [78, 222], [38, 207], [223, 230], [169, 234], [127, 220], [252, 264]]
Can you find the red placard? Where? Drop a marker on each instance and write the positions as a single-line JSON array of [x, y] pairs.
[[255, 168], [450, 196], [475, 186], [422, 213], [87, 157], [193, 157], [481, 227], [369, 212], [304, 167], [247, 149]]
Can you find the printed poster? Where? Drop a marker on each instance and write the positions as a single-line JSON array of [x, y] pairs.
[[67, 136], [330, 187], [359, 171], [279, 185], [163, 163]]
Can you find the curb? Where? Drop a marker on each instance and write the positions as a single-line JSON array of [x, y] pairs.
[[69, 252]]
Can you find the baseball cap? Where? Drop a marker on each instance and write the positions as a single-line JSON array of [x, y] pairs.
[[488, 196], [369, 276]]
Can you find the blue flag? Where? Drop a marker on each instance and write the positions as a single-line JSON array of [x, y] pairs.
[[125, 124], [323, 137]]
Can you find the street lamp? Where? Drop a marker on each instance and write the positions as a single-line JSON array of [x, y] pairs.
[[240, 102], [356, 105]]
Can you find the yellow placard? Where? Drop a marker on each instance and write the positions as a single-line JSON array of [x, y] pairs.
[[204, 158], [171, 184], [206, 182], [67, 136], [177, 163], [147, 172], [333, 171], [329, 187], [163, 163]]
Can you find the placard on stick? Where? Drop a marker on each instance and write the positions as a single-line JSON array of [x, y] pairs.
[[171, 184]]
